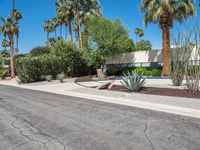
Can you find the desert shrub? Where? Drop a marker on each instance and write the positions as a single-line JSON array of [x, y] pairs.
[[133, 81], [141, 70], [61, 77], [38, 51], [64, 57], [117, 70], [156, 72], [93, 59], [48, 78]]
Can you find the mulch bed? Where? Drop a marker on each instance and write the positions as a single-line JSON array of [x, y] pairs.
[[84, 79], [161, 91]]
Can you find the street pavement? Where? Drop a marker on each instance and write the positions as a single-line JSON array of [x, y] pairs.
[[33, 120]]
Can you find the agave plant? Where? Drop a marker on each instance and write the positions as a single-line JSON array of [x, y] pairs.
[[133, 81]]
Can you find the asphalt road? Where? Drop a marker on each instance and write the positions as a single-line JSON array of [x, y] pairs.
[[32, 120]]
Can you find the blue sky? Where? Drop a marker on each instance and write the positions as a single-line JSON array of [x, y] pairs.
[[36, 11]]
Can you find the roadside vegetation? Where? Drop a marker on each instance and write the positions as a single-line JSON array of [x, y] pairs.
[[80, 40]]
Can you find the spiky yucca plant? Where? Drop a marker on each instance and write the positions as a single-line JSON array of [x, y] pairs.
[[133, 81]]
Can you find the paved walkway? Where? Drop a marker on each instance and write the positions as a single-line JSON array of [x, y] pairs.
[[182, 106]]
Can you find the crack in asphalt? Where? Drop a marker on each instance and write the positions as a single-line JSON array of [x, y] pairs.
[[23, 125], [146, 133]]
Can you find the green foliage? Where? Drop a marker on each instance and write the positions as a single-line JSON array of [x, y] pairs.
[[143, 45], [133, 81], [38, 51], [107, 37], [141, 70], [3, 73], [64, 57], [117, 70], [156, 72], [93, 58]]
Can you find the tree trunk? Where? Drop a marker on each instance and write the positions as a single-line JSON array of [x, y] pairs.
[[60, 31], [70, 31], [12, 65], [55, 33], [13, 7], [78, 32], [166, 52], [66, 32], [47, 38], [80, 36]]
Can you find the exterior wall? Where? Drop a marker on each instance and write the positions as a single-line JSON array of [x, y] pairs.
[[153, 56], [136, 57]]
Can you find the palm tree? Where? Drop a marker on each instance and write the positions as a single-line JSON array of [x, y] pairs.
[[82, 11], [55, 25], [5, 44], [165, 12], [17, 16], [13, 7], [139, 33], [9, 29], [65, 11], [48, 27]]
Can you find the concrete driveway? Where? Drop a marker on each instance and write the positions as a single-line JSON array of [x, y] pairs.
[[32, 120]]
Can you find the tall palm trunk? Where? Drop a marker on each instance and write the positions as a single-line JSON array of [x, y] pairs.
[[60, 30], [17, 43], [66, 32], [78, 33], [70, 31], [13, 7], [47, 38], [12, 65], [80, 36], [55, 32], [166, 52]]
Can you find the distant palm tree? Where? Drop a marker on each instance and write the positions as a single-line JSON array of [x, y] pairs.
[[17, 16], [5, 44], [64, 10], [164, 12], [77, 11], [9, 29], [13, 7], [48, 27], [139, 33], [82, 11], [55, 25]]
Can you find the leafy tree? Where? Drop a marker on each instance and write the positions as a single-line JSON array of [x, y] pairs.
[[107, 37], [164, 12], [143, 45], [38, 51]]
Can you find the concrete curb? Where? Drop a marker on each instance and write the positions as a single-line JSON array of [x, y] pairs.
[[127, 102]]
